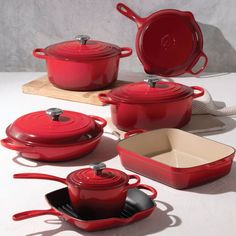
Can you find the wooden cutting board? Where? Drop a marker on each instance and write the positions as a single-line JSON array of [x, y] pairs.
[[43, 87]]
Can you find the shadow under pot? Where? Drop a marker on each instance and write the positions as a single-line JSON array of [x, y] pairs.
[[151, 104], [82, 64], [54, 135], [95, 193]]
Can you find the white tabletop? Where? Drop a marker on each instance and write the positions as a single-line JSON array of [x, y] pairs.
[[209, 209]]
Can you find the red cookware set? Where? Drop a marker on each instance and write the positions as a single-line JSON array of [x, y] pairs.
[[150, 112]]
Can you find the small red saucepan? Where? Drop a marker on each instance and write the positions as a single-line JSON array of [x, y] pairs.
[[151, 104], [82, 64], [97, 191], [169, 42]]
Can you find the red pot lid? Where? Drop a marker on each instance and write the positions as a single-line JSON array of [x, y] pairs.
[[51, 127], [150, 91], [82, 49], [98, 177]]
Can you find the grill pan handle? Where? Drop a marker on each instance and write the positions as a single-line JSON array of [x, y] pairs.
[[29, 214]]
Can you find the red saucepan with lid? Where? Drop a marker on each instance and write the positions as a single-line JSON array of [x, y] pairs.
[[169, 42], [82, 64], [151, 104], [98, 191], [54, 134]]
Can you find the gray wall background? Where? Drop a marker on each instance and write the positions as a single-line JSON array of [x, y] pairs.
[[27, 24]]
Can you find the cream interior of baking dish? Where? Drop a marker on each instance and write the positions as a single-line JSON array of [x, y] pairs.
[[176, 148]]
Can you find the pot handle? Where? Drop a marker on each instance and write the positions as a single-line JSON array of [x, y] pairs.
[[133, 132], [9, 143], [126, 11], [29, 214], [39, 53], [102, 122], [125, 52], [149, 188], [202, 54], [103, 97], [200, 89], [39, 176], [128, 186]]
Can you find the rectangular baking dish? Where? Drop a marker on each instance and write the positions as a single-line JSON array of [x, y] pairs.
[[175, 157]]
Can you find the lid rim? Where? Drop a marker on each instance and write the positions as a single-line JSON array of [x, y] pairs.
[[107, 50], [77, 179], [141, 93], [37, 144], [37, 129]]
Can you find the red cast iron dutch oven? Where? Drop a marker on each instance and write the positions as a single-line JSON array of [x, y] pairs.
[[151, 105], [96, 192], [54, 135], [169, 42], [82, 64]]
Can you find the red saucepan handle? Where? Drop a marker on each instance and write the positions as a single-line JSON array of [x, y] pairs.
[[102, 122], [125, 52], [133, 132], [202, 54], [39, 53], [39, 176], [199, 89], [104, 98], [149, 188], [28, 214], [133, 185], [10, 144], [126, 11]]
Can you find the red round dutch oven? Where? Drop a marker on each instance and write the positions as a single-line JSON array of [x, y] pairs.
[[54, 135], [151, 105], [96, 192], [82, 64], [168, 42]]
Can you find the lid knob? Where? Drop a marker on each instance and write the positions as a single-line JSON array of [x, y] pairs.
[[54, 113], [151, 81], [98, 167], [82, 38]]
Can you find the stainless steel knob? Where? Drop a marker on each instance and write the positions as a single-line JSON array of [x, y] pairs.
[[151, 81], [54, 113], [98, 167], [82, 38]]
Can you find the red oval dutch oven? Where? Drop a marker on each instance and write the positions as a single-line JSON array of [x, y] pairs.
[[169, 42], [82, 64], [151, 105], [96, 192], [54, 135]]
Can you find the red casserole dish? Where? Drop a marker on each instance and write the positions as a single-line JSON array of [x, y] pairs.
[[138, 205], [175, 157], [151, 104], [168, 42], [82, 64], [54, 135]]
